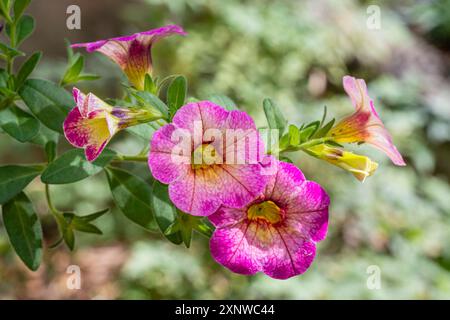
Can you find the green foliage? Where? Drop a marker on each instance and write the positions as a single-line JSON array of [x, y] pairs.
[[133, 197], [74, 72], [165, 212], [176, 94], [72, 166], [274, 116], [223, 101], [19, 124], [24, 230], [48, 102], [27, 68], [14, 178]]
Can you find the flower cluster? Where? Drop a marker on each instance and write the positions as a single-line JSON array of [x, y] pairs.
[[267, 216]]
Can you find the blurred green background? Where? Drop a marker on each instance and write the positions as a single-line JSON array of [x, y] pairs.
[[295, 52]]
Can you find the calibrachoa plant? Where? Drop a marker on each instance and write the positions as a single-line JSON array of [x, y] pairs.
[[214, 172]]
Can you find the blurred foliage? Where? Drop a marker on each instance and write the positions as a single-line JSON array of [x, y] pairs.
[[296, 52]]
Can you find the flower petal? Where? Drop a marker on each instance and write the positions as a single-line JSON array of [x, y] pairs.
[[202, 192], [290, 255], [164, 162], [308, 211], [200, 116], [75, 130], [235, 247]]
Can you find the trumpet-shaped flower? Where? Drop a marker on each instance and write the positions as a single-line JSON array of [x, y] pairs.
[[92, 122], [364, 125], [132, 53], [360, 166], [209, 157], [277, 232]]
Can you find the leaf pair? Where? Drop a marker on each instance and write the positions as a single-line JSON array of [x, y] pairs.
[[69, 222]]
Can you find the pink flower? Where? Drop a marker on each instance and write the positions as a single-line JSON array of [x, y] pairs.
[[277, 232], [209, 157], [92, 123], [132, 53], [364, 125]]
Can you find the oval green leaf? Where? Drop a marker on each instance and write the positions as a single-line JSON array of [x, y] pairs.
[[133, 197], [24, 230], [72, 166], [165, 212], [13, 179], [19, 124], [48, 102]]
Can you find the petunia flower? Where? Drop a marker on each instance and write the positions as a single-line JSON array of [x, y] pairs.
[[92, 122], [364, 125], [276, 233], [132, 53], [360, 166], [209, 157]]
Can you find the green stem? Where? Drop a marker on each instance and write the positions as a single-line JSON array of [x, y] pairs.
[[52, 208], [304, 145], [136, 158], [12, 39]]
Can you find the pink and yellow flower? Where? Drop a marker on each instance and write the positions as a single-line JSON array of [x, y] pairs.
[[277, 232], [218, 163], [92, 123], [132, 53], [364, 125]]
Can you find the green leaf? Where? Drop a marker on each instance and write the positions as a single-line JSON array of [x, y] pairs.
[[165, 212], [24, 230], [27, 68], [204, 227], [87, 77], [223, 101], [73, 71], [307, 132], [294, 135], [50, 150], [14, 178], [94, 216], [149, 84], [19, 124], [69, 237], [275, 118], [133, 197], [176, 94], [11, 52], [72, 166], [24, 28], [322, 132], [44, 136], [84, 226], [144, 131], [48, 102], [19, 7], [146, 99]]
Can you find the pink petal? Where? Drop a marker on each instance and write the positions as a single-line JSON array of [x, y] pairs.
[[75, 130], [290, 255], [235, 248], [200, 116], [165, 165], [202, 192]]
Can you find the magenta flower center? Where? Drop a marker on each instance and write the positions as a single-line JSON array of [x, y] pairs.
[[266, 211]]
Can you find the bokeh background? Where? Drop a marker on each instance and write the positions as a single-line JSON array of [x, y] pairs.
[[295, 52]]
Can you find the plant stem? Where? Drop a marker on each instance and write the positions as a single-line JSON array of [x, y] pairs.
[[12, 39], [136, 158], [52, 208]]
